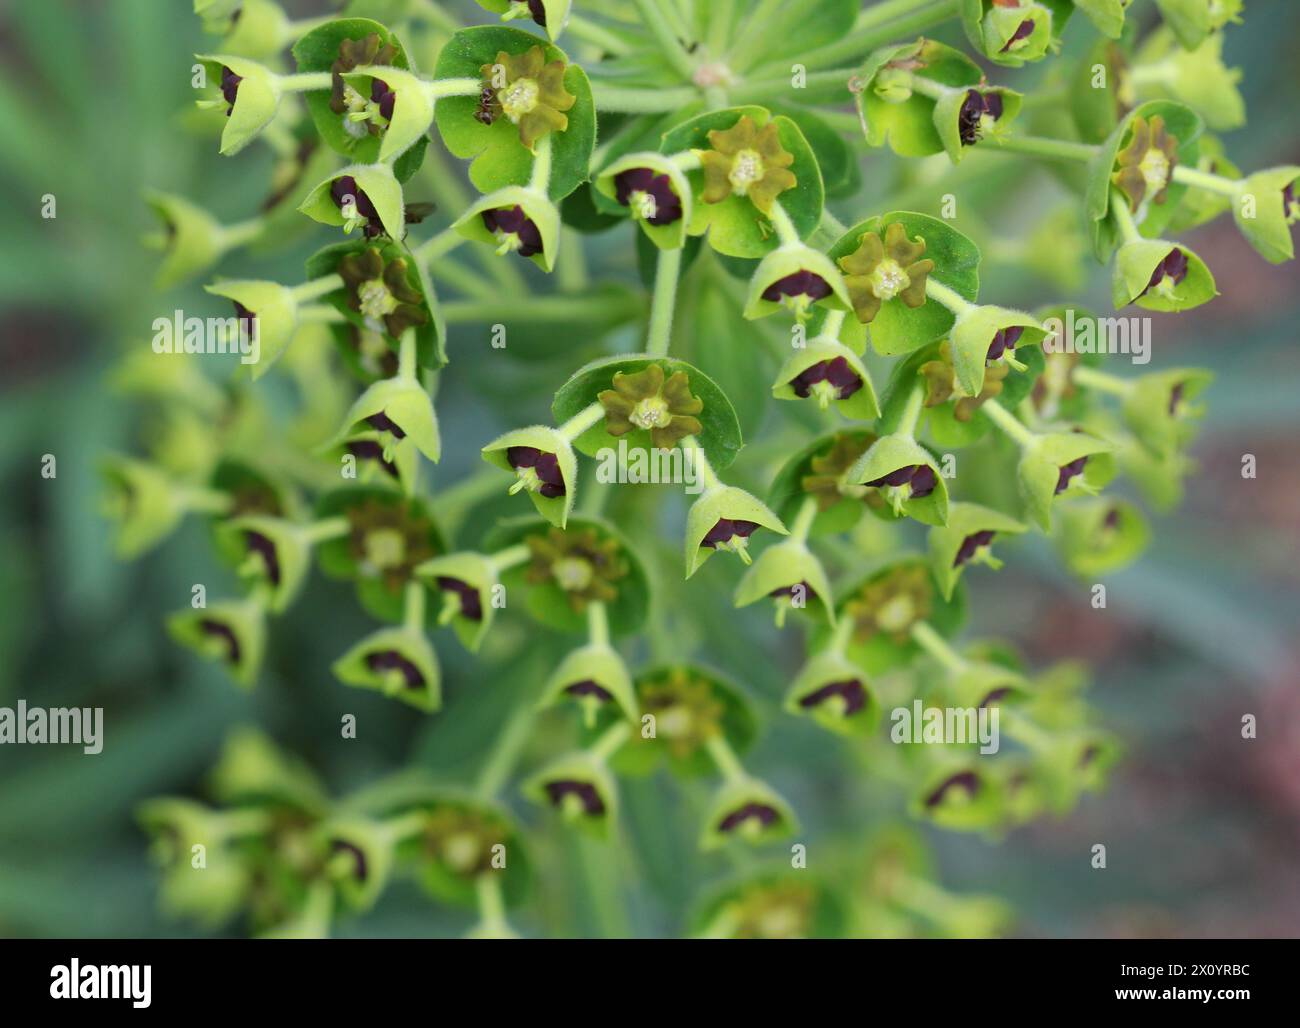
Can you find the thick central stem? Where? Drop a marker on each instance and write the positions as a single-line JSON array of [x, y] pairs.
[[667, 272]]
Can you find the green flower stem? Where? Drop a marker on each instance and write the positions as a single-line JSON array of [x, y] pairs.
[[324, 530], [571, 273], [641, 100], [781, 88], [541, 174], [249, 821], [928, 87], [911, 410], [832, 223], [1124, 217], [936, 646], [455, 501], [804, 519], [687, 160], [317, 288], [754, 35], [491, 905], [1025, 731], [725, 757], [581, 421], [511, 556], [667, 272], [597, 623], [405, 826], [708, 476], [950, 298], [1091, 378], [413, 606], [1205, 180], [548, 310], [655, 16], [1038, 146], [588, 31], [197, 500], [241, 232], [305, 81], [439, 88], [319, 314], [887, 22], [839, 639], [1007, 422], [501, 760], [438, 245], [408, 348], [612, 738], [785, 230], [832, 324]]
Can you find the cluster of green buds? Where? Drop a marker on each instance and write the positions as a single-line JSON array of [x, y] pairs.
[[930, 407]]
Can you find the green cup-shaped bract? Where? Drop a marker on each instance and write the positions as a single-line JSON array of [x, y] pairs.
[[1040, 466], [1137, 262], [788, 260], [972, 335], [412, 108], [142, 501], [1102, 535], [946, 541], [996, 31], [538, 209], [718, 503], [985, 684], [359, 856], [1193, 20], [406, 404], [398, 662], [233, 632], [256, 102], [819, 691], [555, 509], [260, 32], [599, 665], [377, 182], [581, 788], [283, 569], [194, 241], [783, 566], [749, 810], [1269, 230], [477, 572], [1159, 408], [861, 405], [891, 453], [960, 793], [666, 237], [276, 312], [253, 770]]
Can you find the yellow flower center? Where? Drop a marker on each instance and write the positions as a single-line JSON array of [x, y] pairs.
[[643, 205], [519, 98], [1155, 170], [746, 169], [461, 851], [652, 412], [572, 573], [888, 280], [376, 301], [675, 722], [896, 613], [385, 548]]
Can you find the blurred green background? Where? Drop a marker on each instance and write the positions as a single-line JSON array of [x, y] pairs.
[[1202, 828]]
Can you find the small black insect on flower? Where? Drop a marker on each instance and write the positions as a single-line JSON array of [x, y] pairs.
[[974, 109]]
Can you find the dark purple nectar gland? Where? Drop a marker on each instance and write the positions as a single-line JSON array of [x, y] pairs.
[[587, 688], [538, 12], [731, 534], [649, 196], [1004, 341], [971, 123], [345, 194], [229, 88], [1023, 31], [919, 479], [1069, 472], [798, 291], [370, 449], [964, 783], [514, 230], [384, 423], [462, 598], [1290, 204], [827, 381], [1112, 520], [359, 869], [220, 632], [849, 696], [395, 668], [1168, 275], [538, 471], [262, 551], [971, 545], [750, 819], [382, 95], [575, 797], [247, 320]]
